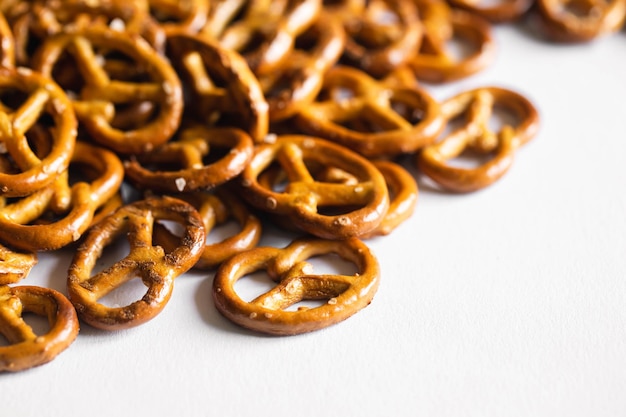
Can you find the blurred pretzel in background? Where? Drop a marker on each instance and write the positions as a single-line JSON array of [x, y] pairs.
[[500, 11], [26, 349], [475, 108], [580, 20], [373, 118], [343, 295]]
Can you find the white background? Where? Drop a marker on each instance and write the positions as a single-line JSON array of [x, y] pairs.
[[506, 302]]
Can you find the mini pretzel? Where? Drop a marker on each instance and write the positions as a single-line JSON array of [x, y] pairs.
[[581, 20], [434, 63], [344, 294], [477, 106], [100, 95], [222, 88], [217, 209], [156, 267], [384, 36], [24, 224], [44, 99], [312, 205], [403, 194], [267, 30], [183, 165], [27, 349], [296, 83], [15, 266], [372, 118], [499, 12]]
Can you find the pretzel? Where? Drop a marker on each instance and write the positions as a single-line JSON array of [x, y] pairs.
[[183, 165], [403, 193], [500, 11], [345, 295], [7, 44], [222, 89], [385, 35], [156, 267], [217, 209], [44, 99], [14, 265], [27, 349], [327, 210], [266, 32], [370, 117], [58, 214], [580, 20], [477, 106], [101, 97], [296, 83], [176, 15], [434, 63]]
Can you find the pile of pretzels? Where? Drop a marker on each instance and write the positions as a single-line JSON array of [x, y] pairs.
[[156, 120]]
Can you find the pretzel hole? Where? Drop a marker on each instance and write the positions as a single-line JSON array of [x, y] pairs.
[[580, 8], [39, 325], [222, 231], [130, 291], [253, 285]]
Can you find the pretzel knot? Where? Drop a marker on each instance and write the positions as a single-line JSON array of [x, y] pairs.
[[191, 153], [156, 268], [14, 265], [475, 135], [58, 214], [27, 349], [344, 294], [370, 117], [581, 20], [45, 107], [325, 209], [117, 72]]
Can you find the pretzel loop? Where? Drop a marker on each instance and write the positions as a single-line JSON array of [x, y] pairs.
[[27, 349], [156, 268], [344, 294]]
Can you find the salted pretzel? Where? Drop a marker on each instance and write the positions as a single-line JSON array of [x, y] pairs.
[[185, 164], [222, 90], [298, 81], [373, 118], [58, 214], [101, 95], [403, 193], [344, 295], [156, 267], [324, 209], [476, 107], [15, 265], [42, 99], [27, 349], [266, 31], [500, 11], [383, 36], [580, 20], [435, 63], [217, 209]]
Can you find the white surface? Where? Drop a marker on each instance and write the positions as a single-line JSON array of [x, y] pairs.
[[506, 302]]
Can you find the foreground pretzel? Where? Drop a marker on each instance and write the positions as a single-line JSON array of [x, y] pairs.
[[344, 294], [156, 268], [27, 349], [477, 106], [324, 209]]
